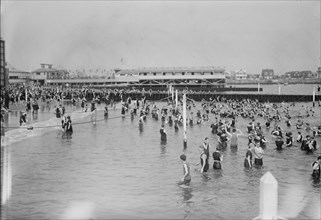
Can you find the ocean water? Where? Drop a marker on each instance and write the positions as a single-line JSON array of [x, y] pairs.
[[112, 170], [289, 89]]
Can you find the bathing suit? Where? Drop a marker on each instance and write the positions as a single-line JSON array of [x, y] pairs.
[[217, 160], [206, 163], [248, 163]]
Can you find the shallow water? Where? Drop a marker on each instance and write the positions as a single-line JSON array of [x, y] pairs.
[[112, 170], [289, 89]]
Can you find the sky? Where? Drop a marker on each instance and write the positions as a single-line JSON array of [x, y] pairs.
[[248, 35]]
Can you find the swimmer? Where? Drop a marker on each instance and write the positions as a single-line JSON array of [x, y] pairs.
[[218, 158], [162, 131], [23, 119], [316, 168], [258, 155], [203, 160], [248, 156], [68, 128], [234, 137], [106, 111], [186, 179], [299, 138], [279, 143], [289, 140]]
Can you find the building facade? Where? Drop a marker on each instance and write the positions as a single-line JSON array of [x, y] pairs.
[[3, 71], [241, 74], [18, 76], [46, 72], [267, 74]]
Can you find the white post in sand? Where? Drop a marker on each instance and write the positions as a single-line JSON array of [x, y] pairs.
[[176, 98], [279, 89], [268, 197], [184, 120]]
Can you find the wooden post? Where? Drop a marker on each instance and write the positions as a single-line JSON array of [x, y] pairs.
[[184, 121], [258, 86], [279, 89]]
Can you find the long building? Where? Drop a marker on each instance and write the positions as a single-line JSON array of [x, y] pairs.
[[209, 77]]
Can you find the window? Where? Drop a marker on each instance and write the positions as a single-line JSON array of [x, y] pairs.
[[37, 74]]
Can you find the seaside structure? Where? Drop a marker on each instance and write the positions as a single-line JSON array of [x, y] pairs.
[[46, 72], [18, 76], [3, 71], [156, 78]]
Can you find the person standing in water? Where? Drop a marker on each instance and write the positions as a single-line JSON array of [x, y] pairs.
[[162, 131], [206, 146], [93, 112], [279, 143], [234, 137], [68, 128], [186, 179], [258, 154], [316, 168], [248, 156], [218, 158], [203, 160]]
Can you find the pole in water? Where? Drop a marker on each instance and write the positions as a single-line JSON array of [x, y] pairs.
[[258, 87], [313, 97], [176, 98], [172, 95], [184, 120], [279, 89], [26, 94]]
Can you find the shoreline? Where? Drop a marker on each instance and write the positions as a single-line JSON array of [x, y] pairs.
[[272, 82]]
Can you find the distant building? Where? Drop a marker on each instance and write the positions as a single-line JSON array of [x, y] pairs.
[[46, 72], [253, 76], [299, 74], [319, 73], [4, 81], [241, 74], [267, 74], [18, 76]]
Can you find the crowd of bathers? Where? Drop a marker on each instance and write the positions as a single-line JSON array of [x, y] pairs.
[[225, 114]]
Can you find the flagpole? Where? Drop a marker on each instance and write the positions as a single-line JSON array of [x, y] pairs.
[[184, 121]]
